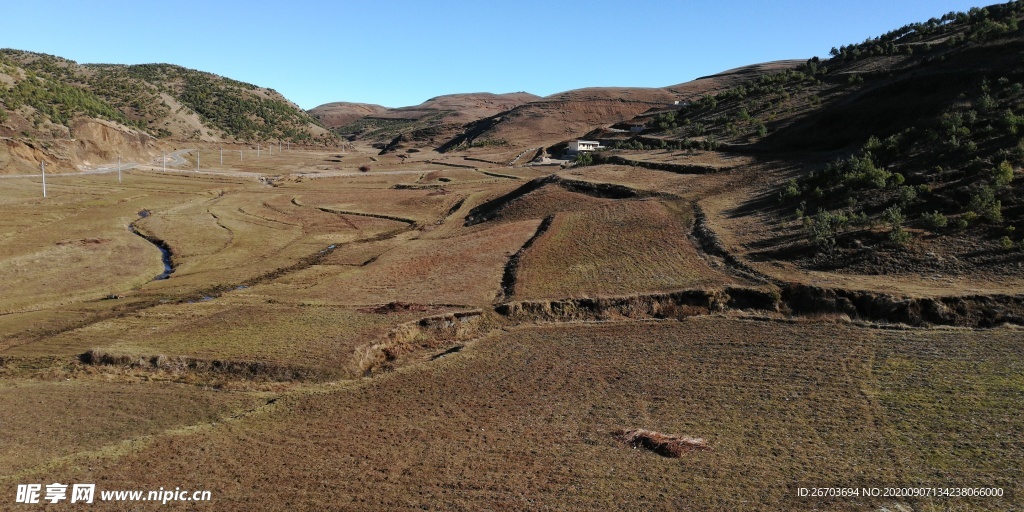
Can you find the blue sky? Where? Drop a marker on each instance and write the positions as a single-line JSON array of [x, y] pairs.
[[401, 53]]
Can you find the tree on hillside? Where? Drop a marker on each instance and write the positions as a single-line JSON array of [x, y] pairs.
[[583, 159]]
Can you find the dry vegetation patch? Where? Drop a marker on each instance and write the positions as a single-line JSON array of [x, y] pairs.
[[43, 420], [539, 203], [237, 330], [666, 445], [462, 269], [624, 247]]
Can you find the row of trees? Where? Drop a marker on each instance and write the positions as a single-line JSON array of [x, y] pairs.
[[977, 24]]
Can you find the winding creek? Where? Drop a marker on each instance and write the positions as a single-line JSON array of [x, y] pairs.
[[165, 250]]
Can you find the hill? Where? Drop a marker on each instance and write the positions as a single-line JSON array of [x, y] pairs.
[[426, 125], [900, 151], [47, 100], [341, 113], [515, 120], [571, 114]]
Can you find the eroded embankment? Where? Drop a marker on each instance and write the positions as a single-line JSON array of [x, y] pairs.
[[709, 242], [492, 208], [678, 305], [403, 220], [209, 368], [431, 332], [511, 271], [791, 300], [964, 311], [809, 300]]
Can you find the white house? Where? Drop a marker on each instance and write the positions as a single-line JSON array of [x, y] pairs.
[[583, 145]]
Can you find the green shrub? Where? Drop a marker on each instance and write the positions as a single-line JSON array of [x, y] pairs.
[[1002, 175], [984, 204], [894, 216], [584, 158], [822, 229], [906, 194], [934, 221], [790, 191]]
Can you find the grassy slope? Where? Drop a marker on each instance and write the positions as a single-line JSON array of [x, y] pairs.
[[622, 248]]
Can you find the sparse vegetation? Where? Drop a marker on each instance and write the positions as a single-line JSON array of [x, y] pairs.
[[60, 89], [583, 159]]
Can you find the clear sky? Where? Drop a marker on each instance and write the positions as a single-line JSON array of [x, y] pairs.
[[401, 52]]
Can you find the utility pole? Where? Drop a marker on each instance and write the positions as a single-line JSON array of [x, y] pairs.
[[222, 156], [42, 165], [165, 160], [119, 168], [239, 155], [271, 149], [197, 160], [257, 150]]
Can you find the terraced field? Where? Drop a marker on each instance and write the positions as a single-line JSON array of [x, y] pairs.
[[618, 249], [359, 341]]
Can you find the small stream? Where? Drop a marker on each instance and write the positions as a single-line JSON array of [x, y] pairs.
[[165, 250]]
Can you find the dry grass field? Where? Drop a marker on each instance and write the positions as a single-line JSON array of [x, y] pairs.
[[48, 419], [525, 420], [333, 339], [622, 248]]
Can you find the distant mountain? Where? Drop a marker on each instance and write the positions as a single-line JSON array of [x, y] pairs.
[[341, 113], [571, 114], [428, 124]]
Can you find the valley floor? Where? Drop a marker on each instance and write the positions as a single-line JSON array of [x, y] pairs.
[[442, 333]]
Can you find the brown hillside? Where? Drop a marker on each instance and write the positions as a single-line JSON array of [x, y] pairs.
[[163, 100], [464, 107], [555, 118], [91, 142], [570, 114], [341, 113], [432, 122], [712, 84]]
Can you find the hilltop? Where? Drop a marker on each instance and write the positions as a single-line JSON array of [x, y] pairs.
[[341, 113]]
